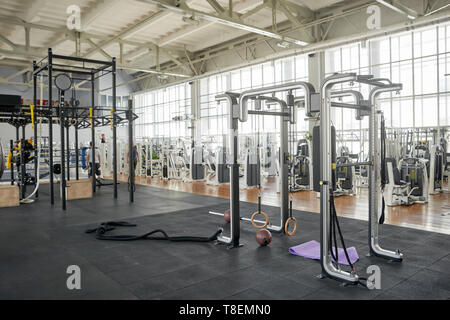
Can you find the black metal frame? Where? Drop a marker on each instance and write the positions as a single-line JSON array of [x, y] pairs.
[[82, 115]]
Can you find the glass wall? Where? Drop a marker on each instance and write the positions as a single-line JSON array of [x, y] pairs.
[[164, 112], [213, 117], [419, 59]]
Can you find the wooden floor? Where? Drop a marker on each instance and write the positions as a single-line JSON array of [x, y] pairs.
[[433, 216]]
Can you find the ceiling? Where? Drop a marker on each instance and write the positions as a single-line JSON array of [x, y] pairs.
[[131, 21], [153, 36]]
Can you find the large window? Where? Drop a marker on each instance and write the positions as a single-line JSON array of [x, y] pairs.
[[214, 120], [419, 60], [164, 112]]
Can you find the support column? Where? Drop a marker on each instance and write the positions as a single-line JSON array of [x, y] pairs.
[[114, 128], [94, 182], [23, 169], [130, 150], [36, 153], [63, 151], [68, 150], [195, 110], [50, 124], [316, 75], [77, 154]]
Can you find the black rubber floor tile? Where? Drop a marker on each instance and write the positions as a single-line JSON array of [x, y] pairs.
[[431, 280], [335, 291], [36, 262], [150, 288], [416, 291], [188, 276], [250, 294], [284, 289], [442, 265]]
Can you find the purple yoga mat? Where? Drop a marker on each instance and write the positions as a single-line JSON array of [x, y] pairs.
[[311, 250]]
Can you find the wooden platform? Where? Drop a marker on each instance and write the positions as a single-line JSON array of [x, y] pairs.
[[432, 216], [9, 196], [79, 189]]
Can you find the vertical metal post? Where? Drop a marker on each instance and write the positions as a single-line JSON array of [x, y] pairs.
[[284, 174], [114, 128], [23, 169], [11, 147], [36, 148], [68, 150], [374, 178], [50, 123], [77, 153], [326, 180], [234, 180], [235, 228], [130, 149], [94, 182], [63, 150]]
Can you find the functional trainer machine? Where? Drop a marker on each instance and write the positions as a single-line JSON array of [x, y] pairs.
[[327, 210]]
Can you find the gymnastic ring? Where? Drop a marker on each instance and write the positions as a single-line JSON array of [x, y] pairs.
[[255, 214], [73, 122], [286, 226]]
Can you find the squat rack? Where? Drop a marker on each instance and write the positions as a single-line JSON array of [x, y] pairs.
[[89, 71]]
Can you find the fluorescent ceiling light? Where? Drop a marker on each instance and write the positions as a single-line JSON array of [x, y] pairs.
[[155, 72], [224, 21], [396, 9], [284, 44], [191, 20]]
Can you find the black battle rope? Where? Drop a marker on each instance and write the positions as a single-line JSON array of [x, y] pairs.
[[100, 234], [383, 168], [334, 224]]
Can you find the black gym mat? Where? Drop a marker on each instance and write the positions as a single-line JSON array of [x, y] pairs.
[[38, 242]]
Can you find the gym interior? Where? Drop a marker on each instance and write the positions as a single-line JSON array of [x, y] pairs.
[[224, 150]]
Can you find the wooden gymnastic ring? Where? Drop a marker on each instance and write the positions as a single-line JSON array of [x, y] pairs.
[[255, 214], [286, 226]]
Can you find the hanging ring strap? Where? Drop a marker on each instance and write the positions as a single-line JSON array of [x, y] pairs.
[[286, 226], [259, 212], [266, 217], [288, 221]]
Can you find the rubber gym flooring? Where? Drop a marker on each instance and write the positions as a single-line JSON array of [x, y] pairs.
[[38, 242]]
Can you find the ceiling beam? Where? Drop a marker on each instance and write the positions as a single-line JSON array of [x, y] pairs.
[[103, 52], [28, 15], [242, 6], [405, 8], [95, 12], [389, 5], [184, 33], [128, 31], [216, 6], [34, 8], [254, 10], [300, 9], [295, 21], [10, 77], [135, 54], [8, 42]]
